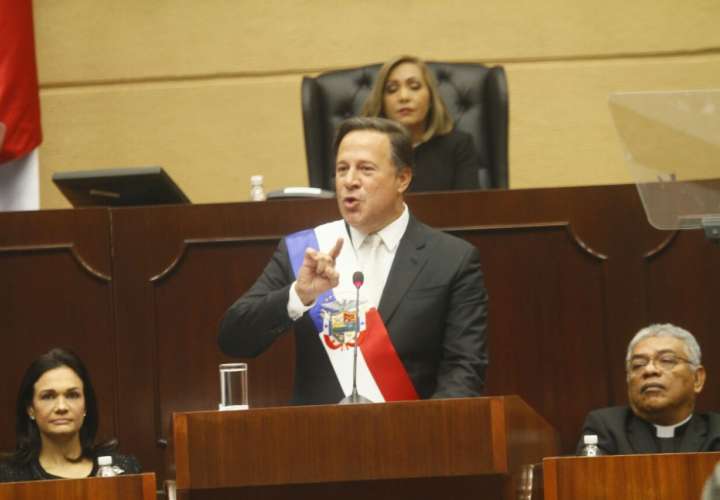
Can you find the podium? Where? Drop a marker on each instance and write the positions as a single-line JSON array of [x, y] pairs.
[[454, 448], [127, 487], [628, 477]]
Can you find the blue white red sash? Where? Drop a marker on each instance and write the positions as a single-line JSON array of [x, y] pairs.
[[381, 376]]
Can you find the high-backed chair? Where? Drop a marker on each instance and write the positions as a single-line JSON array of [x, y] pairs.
[[476, 97]]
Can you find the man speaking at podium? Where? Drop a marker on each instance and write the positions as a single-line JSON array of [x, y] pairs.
[[664, 376], [423, 304]]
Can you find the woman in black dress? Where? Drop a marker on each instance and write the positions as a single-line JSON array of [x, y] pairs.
[[56, 424], [445, 158]]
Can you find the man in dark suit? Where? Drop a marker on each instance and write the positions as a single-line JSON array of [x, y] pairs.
[[664, 376], [428, 339]]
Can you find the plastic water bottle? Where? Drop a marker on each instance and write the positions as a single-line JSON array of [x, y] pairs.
[[590, 448], [257, 192], [105, 467]]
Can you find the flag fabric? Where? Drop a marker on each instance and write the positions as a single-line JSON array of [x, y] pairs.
[[19, 99], [19, 181], [19, 107]]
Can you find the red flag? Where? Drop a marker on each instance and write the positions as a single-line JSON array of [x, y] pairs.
[[19, 99]]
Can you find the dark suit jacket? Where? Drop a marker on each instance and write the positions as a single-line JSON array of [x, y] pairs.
[[620, 432], [434, 306], [448, 162]]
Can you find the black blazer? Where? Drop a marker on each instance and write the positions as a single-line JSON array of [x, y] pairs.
[[448, 162], [621, 432], [434, 306]]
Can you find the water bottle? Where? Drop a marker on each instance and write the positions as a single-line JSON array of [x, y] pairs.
[[105, 467], [590, 448], [257, 192]]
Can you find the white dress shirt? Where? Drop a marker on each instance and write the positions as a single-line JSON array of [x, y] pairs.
[[376, 257], [375, 263]]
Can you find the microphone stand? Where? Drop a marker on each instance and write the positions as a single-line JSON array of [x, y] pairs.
[[355, 397]]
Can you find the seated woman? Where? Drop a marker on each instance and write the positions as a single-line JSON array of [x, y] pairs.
[[57, 420], [445, 158]]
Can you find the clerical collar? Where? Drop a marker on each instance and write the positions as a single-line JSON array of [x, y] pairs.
[[668, 431]]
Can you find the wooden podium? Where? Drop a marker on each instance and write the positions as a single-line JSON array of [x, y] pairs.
[[454, 448], [128, 487], [628, 477]]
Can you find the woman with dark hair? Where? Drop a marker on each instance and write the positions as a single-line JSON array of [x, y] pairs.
[[405, 91], [56, 423]]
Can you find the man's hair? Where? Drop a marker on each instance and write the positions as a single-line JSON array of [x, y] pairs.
[[694, 354], [438, 121], [401, 149]]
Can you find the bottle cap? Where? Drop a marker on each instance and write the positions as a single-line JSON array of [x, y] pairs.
[[104, 460], [256, 180], [590, 439]]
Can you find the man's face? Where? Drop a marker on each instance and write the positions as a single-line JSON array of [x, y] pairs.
[[662, 385], [369, 187]]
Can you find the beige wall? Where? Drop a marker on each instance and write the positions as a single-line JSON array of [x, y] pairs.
[[210, 89]]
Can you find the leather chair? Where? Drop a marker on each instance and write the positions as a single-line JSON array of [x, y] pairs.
[[476, 97]]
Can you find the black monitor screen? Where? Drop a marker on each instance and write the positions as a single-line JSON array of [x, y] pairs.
[[119, 187]]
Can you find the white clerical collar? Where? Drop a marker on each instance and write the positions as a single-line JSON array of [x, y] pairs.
[[668, 431], [390, 234]]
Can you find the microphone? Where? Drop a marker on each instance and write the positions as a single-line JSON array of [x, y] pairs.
[[354, 398], [358, 280]]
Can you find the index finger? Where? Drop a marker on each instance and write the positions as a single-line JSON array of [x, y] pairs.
[[335, 251]]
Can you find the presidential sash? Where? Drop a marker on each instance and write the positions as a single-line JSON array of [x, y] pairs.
[[381, 376]]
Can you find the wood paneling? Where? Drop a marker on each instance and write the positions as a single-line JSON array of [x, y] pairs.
[[56, 291], [628, 477], [572, 274]]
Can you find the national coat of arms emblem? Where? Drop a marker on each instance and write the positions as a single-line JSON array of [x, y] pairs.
[[340, 322]]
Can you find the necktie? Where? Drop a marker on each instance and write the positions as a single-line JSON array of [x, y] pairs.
[[372, 265]]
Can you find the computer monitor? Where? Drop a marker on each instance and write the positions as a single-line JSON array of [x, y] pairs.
[[119, 187]]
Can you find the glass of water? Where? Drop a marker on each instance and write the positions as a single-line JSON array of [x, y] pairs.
[[233, 386]]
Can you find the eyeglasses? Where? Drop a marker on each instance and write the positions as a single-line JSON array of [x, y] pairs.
[[665, 361]]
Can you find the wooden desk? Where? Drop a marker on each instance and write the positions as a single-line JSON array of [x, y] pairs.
[[673, 476], [127, 487], [419, 450]]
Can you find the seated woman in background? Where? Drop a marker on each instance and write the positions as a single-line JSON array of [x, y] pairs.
[[445, 158], [57, 420]]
